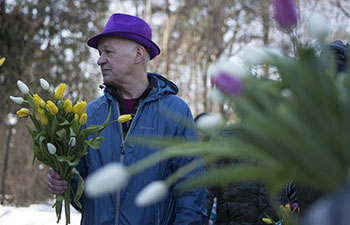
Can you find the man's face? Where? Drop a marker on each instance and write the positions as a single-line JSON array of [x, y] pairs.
[[117, 60]]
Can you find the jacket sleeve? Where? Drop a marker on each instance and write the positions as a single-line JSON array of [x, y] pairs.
[[191, 207]]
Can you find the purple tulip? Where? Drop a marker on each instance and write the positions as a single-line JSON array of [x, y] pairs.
[[231, 85], [285, 13]]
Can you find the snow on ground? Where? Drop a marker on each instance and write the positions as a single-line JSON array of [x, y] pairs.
[[36, 214]]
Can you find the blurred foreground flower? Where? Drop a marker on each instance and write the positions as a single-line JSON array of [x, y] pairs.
[[285, 13], [151, 194], [257, 55], [318, 26], [2, 60], [209, 122], [108, 179]]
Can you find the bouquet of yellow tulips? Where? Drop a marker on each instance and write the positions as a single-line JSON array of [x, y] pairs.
[[58, 138]]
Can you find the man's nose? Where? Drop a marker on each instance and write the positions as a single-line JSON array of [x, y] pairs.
[[101, 60]]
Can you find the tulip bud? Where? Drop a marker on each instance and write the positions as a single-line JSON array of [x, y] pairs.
[[152, 193], [2, 60], [258, 55], [52, 107], [318, 26], [267, 220], [83, 119], [22, 87], [60, 91], [227, 66], [82, 108], [68, 106], [124, 118], [39, 102], [51, 148], [44, 84], [23, 112], [18, 100], [113, 177], [229, 84], [285, 13], [77, 107], [72, 142], [76, 117], [209, 122], [42, 116]]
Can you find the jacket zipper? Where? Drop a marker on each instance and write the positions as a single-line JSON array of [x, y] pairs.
[[122, 153]]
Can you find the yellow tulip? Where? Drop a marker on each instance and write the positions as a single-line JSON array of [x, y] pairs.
[[83, 118], [39, 102], [124, 118], [43, 117], [52, 107], [68, 106], [60, 91], [23, 112], [83, 108], [2, 60], [267, 220], [287, 208], [77, 107], [76, 117]]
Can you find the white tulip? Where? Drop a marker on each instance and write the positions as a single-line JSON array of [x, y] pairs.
[[286, 93], [258, 55], [227, 66], [216, 96], [209, 122], [51, 148], [318, 26], [22, 87], [44, 84], [72, 142], [18, 100], [152, 193], [108, 179]]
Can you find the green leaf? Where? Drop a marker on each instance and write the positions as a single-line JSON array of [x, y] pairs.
[[91, 130], [31, 131], [61, 134], [58, 206], [68, 159], [94, 143], [80, 188], [65, 123]]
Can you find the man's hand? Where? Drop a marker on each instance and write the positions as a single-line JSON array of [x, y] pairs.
[[54, 183]]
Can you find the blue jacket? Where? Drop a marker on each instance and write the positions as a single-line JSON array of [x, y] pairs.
[[119, 208]]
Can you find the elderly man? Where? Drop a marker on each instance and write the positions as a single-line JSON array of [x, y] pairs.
[[125, 47]]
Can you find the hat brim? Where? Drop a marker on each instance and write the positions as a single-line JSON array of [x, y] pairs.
[[151, 47]]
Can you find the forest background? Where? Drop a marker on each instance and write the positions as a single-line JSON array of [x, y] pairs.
[[47, 39]]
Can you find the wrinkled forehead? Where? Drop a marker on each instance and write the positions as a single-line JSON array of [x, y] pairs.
[[115, 42]]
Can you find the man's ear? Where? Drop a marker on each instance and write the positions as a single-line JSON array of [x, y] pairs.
[[140, 54]]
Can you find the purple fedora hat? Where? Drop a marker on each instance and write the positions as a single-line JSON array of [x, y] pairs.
[[129, 27]]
